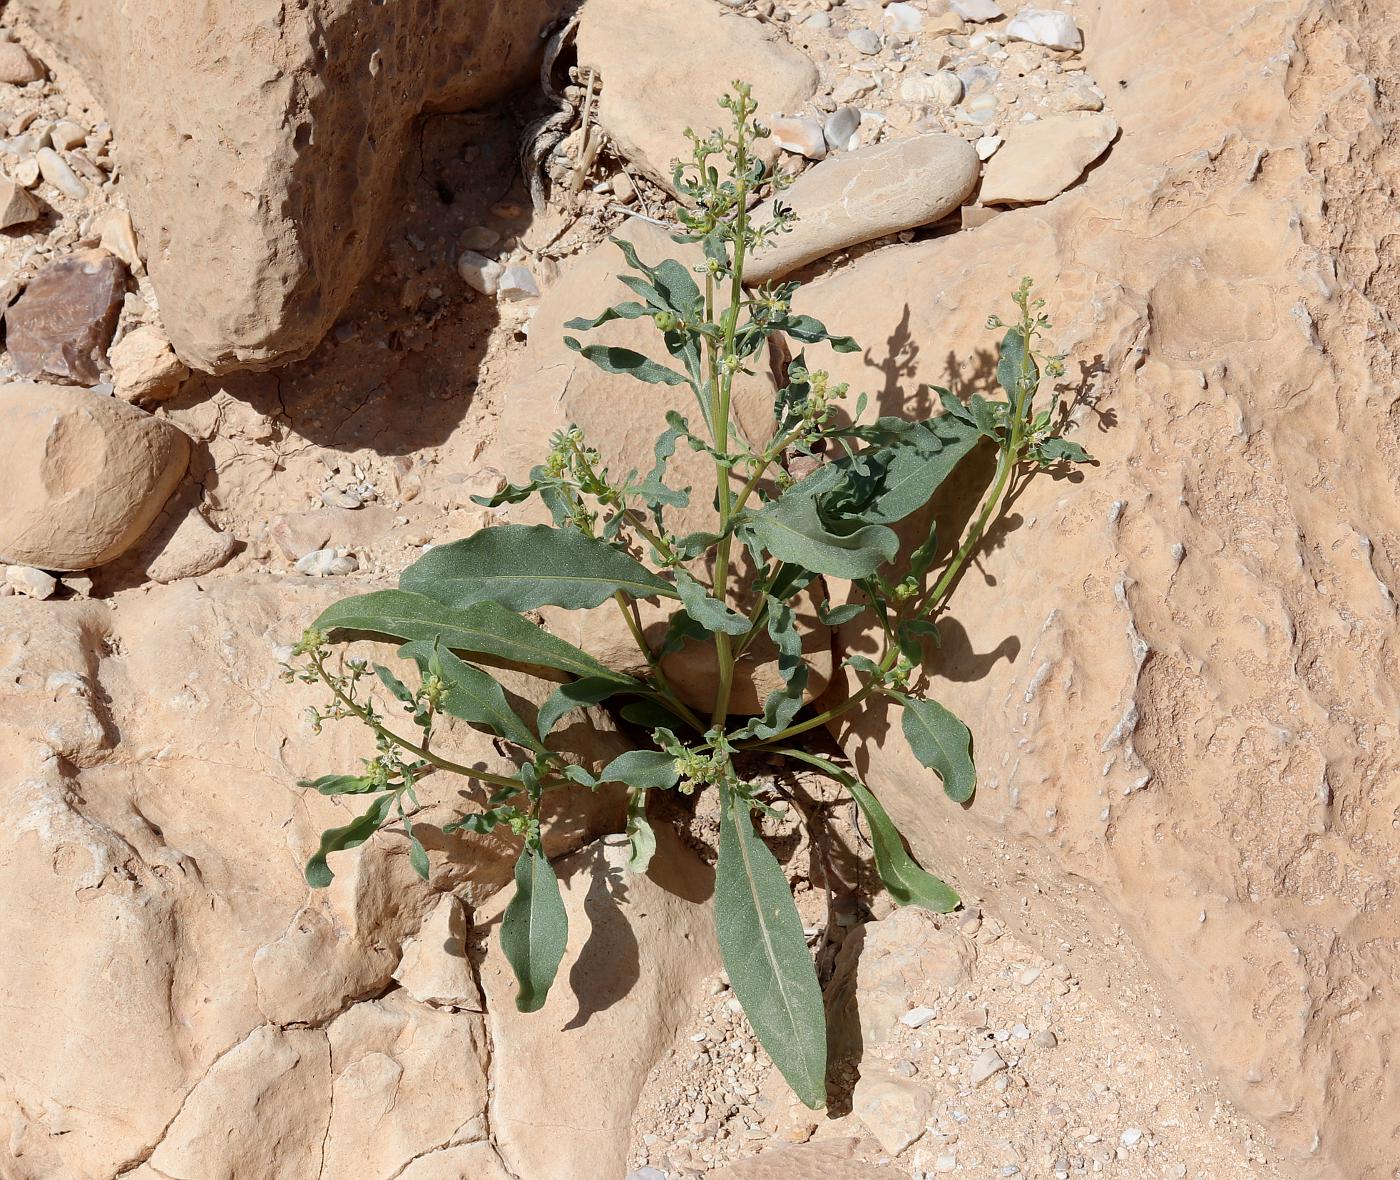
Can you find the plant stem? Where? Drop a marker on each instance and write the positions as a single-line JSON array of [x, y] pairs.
[[663, 685], [422, 751]]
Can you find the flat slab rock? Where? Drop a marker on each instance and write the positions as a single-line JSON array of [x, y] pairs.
[[652, 92], [1040, 160], [61, 325], [865, 194]]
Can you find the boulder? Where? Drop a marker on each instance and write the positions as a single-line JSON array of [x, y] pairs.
[[1179, 664], [555, 388], [640, 948], [260, 145], [82, 476], [865, 194], [59, 328], [1039, 160], [651, 94]]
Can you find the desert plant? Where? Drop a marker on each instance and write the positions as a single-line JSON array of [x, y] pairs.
[[461, 607]]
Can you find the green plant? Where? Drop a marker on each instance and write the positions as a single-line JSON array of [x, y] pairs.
[[460, 607]]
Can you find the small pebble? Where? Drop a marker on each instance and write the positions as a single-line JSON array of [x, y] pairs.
[[988, 1064], [977, 10], [1041, 26], [55, 170], [799, 134], [31, 582], [986, 146], [866, 41], [842, 129], [66, 135], [517, 283], [918, 1017], [478, 237], [325, 563], [479, 272], [1131, 1137]]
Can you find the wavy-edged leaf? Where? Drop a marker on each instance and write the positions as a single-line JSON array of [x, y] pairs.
[[641, 837], [527, 566], [765, 953], [352, 835], [791, 528], [709, 612], [905, 881], [916, 469], [485, 628], [642, 770], [472, 695], [591, 690], [1017, 371], [342, 784], [535, 929], [942, 743], [625, 362], [618, 311]]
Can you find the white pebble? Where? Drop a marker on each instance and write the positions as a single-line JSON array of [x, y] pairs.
[[55, 170], [517, 283], [986, 147], [866, 41], [842, 129], [918, 1017], [479, 272], [799, 134], [31, 582], [325, 563], [1042, 26], [1131, 1137], [977, 10]]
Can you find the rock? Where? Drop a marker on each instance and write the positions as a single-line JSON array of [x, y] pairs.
[[194, 548], [17, 66], [81, 476], [1045, 1039], [61, 325], [516, 283], [116, 236], [894, 1109], [17, 207], [1040, 160], [30, 582], [865, 41], [54, 168], [479, 272], [257, 262], [478, 237], [977, 10], [65, 135], [327, 563], [851, 87], [1043, 26], [942, 88], [649, 102], [987, 1065], [145, 367], [477, 1160], [554, 387], [640, 948], [842, 129], [27, 173], [823, 1159], [918, 1017], [802, 135], [903, 19], [986, 146], [300, 533], [434, 968], [1131, 1137], [865, 194]]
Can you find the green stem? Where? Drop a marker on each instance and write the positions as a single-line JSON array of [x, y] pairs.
[[663, 685]]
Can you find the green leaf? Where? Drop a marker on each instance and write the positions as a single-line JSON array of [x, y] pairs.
[[619, 311], [709, 612], [642, 770], [782, 704], [352, 835], [910, 635], [481, 822], [522, 567], [591, 690], [418, 856], [834, 616], [641, 837], [625, 362], [1017, 372], [650, 715], [472, 694], [485, 628], [916, 468], [535, 929], [906, 882], [942, 743], [396, 686], [813, 331], [342, 784], [1053, 450], [512, 493], [792, 529], [765, 953]]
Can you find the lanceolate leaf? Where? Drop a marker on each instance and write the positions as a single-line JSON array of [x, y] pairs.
[[642, 770], [591, 690], [1017, 372], [472, 695], [942, 743], [526, 566], [792, 529], [485, 628], [352, 835], [341, 784], [709, 612], [535, 929], [765, 953], [641, 838], [916, 469], [625, 362], [906, 882]]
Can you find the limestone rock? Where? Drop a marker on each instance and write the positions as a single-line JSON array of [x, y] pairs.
[[434, 968], [894, 1109], [640, 948], [59, 328], [82, 476], [867, 193], [823, 1159], [145, 367], [554, 388], [264, 160], [800, 134], [117, 236], [1044, 26], [1040, 160], [17, 207], [977, 10], [476, 1160], [28, 581], [651, 95], [193, 548], [17, 65]]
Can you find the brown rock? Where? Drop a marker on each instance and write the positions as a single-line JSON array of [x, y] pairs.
[[82, 476], [639, 950], [17, 66], [260, 145], [145, 367], [1040, 160], [17, 207], [61, 325], [651, 95], [856, 196]]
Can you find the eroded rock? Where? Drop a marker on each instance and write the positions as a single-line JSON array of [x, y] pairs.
[[145, 367], [1039, 160], [59, 328]]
